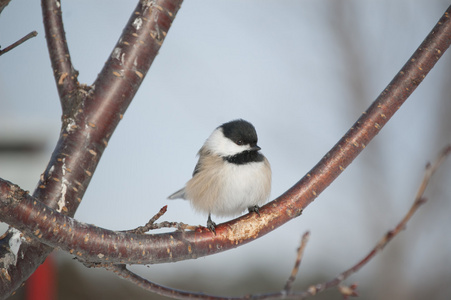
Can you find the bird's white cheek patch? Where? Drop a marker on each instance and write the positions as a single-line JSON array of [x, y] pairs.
[[223, 146]]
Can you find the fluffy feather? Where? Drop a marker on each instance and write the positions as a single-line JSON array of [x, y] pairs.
[[231, 174]]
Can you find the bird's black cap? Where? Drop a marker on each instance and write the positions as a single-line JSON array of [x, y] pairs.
[[241, 132]]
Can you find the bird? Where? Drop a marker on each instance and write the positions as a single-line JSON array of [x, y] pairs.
[[231, 175]]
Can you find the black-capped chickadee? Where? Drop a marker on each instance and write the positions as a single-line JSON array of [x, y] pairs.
[[231, 174]]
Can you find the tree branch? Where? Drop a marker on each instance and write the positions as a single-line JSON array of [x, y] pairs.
[[151, 225], [419, 200], [63, 70], [169, 247], [90, 115], [300, 253], [286, 293], [22, 40], [3, 4], [85, 135]]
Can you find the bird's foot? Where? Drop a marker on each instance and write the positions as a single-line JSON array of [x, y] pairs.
[[211, 225], [255, 209]]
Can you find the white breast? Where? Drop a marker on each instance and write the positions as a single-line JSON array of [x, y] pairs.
[[244, 186], [230, 189]]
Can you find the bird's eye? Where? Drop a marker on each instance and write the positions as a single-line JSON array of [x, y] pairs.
[[239, 142]]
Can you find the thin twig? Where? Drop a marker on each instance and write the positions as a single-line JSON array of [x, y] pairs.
[[22, 40], [151, 225], [419, 200], [295, 270]]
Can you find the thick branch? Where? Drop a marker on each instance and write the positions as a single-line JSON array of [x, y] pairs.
[[63, 70], [89, 120], [117, 247], [3, 4]]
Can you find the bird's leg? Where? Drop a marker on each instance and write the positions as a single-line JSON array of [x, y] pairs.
[[255, 209], [211, 225]]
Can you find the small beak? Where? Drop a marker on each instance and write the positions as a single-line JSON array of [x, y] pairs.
[[255, 148]]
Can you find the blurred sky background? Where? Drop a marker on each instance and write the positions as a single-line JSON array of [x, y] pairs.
[[302, 72]]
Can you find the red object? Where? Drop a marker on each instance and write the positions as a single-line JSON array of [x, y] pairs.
[[42, 283]]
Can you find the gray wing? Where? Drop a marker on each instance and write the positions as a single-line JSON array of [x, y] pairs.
[[202, 152], [180, 194]]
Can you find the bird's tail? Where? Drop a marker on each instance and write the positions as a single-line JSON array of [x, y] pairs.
[[180, 194]]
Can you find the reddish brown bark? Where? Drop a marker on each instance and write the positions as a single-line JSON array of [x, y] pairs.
[[90, 115]]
